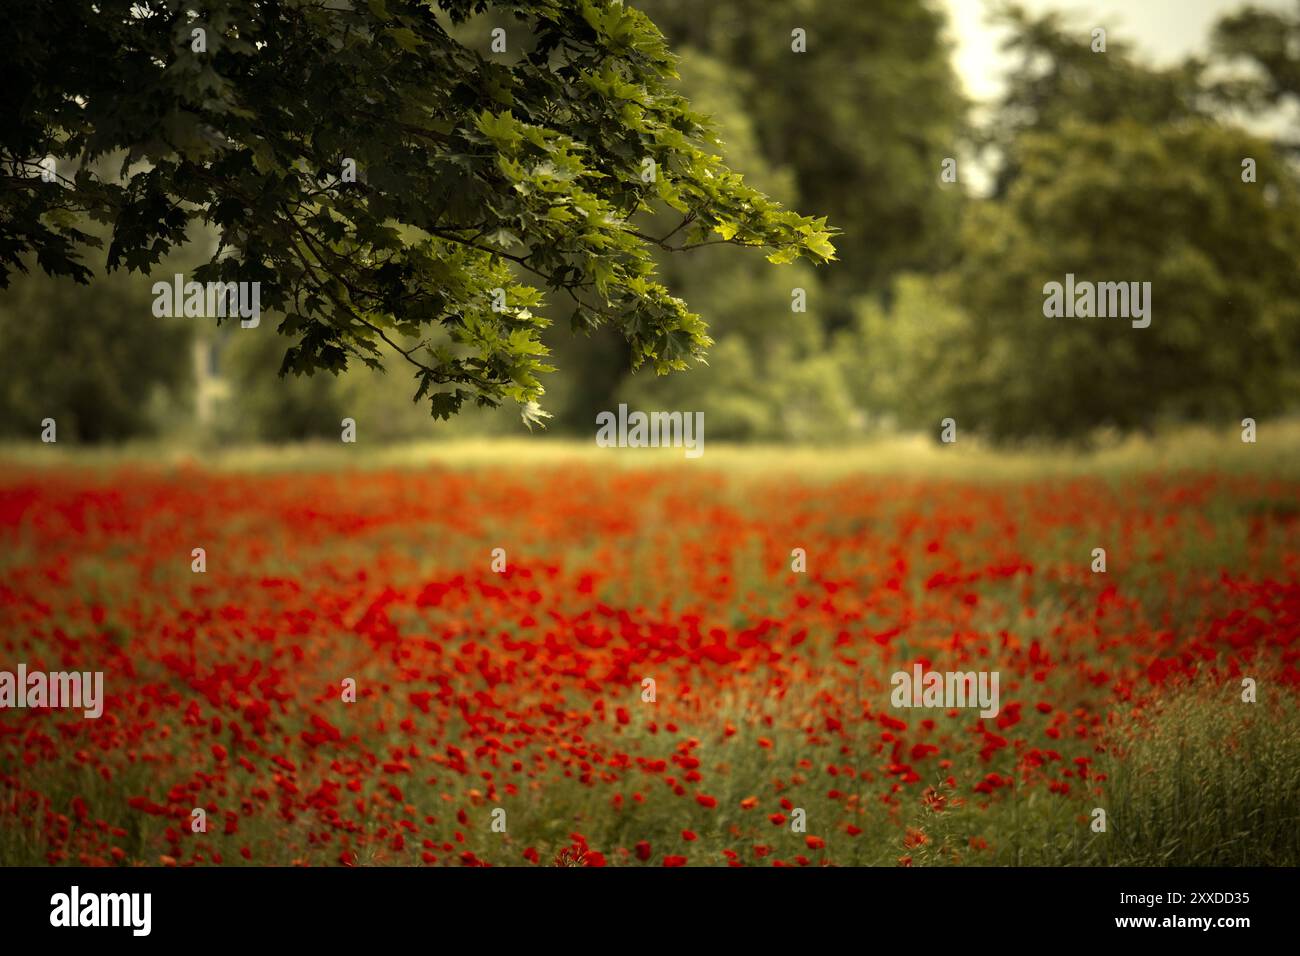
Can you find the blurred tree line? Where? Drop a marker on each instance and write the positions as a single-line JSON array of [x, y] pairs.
[[1113, 171], [1096, 164]]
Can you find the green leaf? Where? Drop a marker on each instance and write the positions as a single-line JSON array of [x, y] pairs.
[[405, 38]]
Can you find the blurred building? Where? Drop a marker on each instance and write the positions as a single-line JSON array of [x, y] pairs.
[[210, 387]]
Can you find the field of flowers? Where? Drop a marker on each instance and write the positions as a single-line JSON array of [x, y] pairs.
[[523, 691]]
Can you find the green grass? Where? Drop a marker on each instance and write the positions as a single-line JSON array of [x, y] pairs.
[[1184, 449]]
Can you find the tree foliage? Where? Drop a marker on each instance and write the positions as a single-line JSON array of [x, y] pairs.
[[1057, 78], [93, 358], [477, 173], [1166, 205], [1268, 40], [862, 120], [1112, 172]]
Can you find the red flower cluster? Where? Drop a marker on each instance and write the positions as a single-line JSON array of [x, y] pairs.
[[348, 681]]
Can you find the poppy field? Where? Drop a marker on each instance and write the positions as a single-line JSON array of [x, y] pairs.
[[574, 664]]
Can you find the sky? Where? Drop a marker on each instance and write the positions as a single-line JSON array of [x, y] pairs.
[[1166, 30]]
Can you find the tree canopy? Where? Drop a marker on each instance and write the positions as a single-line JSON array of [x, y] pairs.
[[525, 170], [1105, 169], [485, 178]]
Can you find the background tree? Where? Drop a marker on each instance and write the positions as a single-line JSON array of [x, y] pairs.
[[861, 121], [1113, 172], [93, 358], [771, 373], [1269, 41], [1056, 78], [856, 127]]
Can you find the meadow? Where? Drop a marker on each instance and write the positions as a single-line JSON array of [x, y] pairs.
[[505, 717]]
